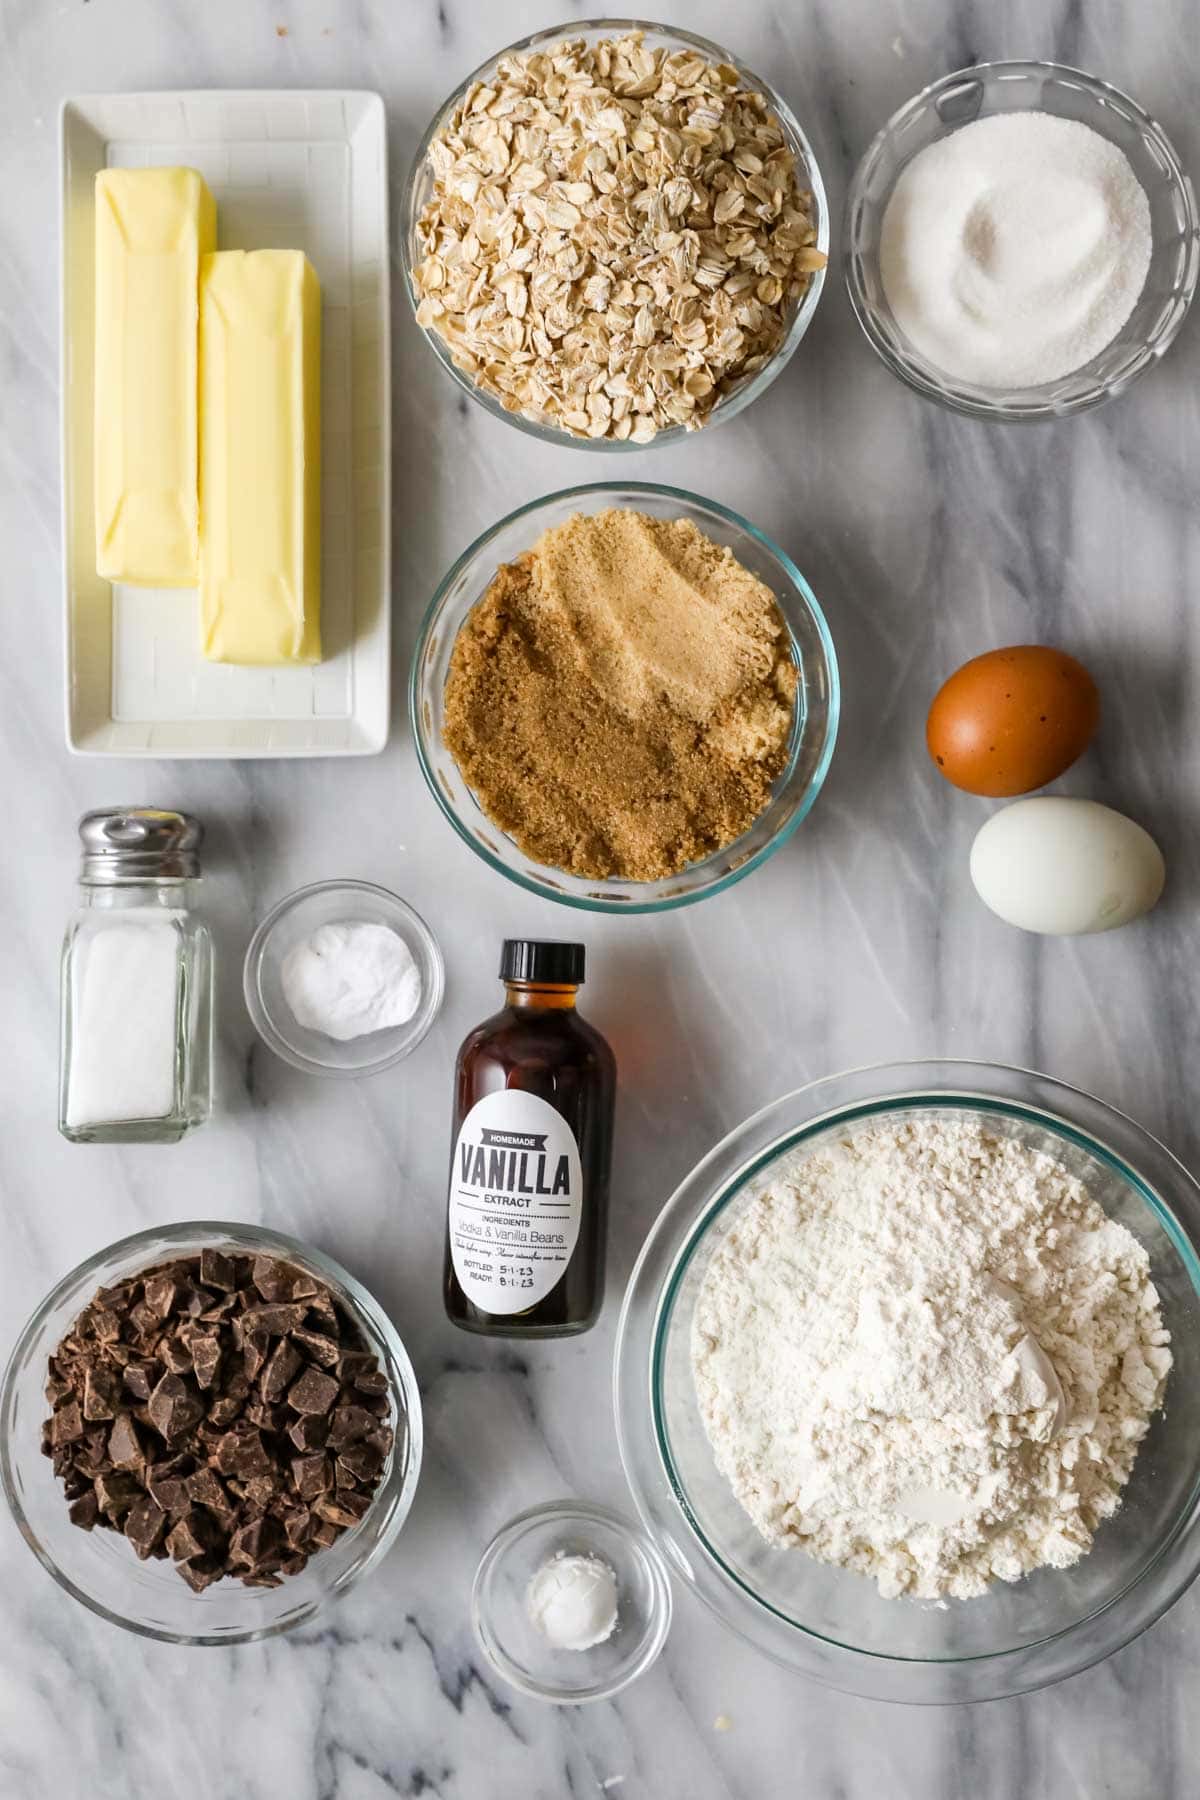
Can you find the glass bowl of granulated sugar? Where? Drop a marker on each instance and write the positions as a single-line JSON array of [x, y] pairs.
[[908, 1381], [1021, 241], [595, 731]]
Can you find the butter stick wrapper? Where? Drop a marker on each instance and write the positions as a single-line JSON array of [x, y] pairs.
[[152, 228], [260, 446]]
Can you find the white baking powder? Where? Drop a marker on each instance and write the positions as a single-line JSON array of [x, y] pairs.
[[573, 1601], [351, 977], [927, 1354], [1013, 251]]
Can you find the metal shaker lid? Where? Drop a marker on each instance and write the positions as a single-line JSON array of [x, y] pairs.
[[139, 843]]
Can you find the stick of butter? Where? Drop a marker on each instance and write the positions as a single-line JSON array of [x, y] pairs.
[[152, 227], [260, 442]]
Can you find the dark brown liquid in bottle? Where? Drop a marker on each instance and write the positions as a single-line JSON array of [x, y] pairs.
[[539, 1043]]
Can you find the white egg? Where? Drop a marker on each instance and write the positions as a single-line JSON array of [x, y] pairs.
[[1060, 866]]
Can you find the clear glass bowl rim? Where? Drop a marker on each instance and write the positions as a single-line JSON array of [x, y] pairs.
[[431, 1002], [659, 1626], [750, 390], [963, 397], [626, 907], [874, 1089], [249, 1237]]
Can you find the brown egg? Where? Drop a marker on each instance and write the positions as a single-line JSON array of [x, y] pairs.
[[1012, 720]]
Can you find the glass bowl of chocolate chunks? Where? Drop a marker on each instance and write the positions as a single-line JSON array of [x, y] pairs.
[[207, 1431]]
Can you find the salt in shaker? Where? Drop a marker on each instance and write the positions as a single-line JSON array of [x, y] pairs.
[[135, 1062]]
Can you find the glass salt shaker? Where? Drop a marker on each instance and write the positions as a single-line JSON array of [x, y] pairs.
[[135, 1063]]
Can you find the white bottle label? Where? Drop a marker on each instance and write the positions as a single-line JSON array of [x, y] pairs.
[[516, 1196]]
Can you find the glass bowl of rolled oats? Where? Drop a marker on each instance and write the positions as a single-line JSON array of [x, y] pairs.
[[614, 233]]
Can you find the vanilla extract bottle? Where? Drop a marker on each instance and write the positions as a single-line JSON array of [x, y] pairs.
[[534, 1091]]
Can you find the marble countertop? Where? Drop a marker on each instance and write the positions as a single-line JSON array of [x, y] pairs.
[[927, 538]]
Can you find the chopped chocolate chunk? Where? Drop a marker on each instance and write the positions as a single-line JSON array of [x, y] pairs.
[[279, 1281], [312, 1475], [285, 1362], [225, 1409], [191, 1301], [105, 1326], [139, 1378], [266, 1416], [115, 1299], [275, 1321], [371, 1381], [144, 1319], [254, 1542], [116, 1493], [296, 1527], [173, 1410], [172, 1494], [337, 1511], [206, 1355], [217, 1270], [318, 1348], [124, 1445], [159, 1295], [177, 1356], [242, 1452], [91, 1454], [310, 1432], [85, 1511], [383, 1437], [313, 1393], [202, 1571], [321, 1304], [349, 1423], [67, 1423], [145, 1523], [363, 1460], [254, 1353], [207, 1489], [219, 1409], [259, 1492], [186, 1538], [215, 1314], [353, 1363], [101, 1393]]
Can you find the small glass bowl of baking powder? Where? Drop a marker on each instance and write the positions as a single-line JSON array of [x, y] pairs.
[[291, 924], [987, 91], [504, 1611]]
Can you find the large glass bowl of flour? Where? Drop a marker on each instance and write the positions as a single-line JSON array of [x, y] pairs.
[[831, 1623]]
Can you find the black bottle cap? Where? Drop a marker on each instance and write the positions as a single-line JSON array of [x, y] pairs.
[[534, 959]]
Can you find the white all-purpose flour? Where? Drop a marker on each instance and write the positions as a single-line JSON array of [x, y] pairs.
[[927, 1354]]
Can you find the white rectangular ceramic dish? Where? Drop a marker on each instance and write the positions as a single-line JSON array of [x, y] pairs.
[[289, 170]]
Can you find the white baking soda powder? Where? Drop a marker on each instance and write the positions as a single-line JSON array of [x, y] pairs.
[[351, 977], [1014, 250], [573, 1601]]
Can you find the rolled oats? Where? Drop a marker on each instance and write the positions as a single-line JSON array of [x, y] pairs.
[[617, 236]]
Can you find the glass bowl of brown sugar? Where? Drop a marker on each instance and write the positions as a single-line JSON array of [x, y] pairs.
[[590, 791]]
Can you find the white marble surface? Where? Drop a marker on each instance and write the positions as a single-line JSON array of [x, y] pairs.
[[927, 538]]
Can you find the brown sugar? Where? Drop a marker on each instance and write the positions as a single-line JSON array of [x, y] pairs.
[[621, 699]]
